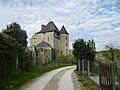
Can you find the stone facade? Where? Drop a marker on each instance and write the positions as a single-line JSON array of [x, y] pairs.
[[48, 38], [43, 56], [57, 39]]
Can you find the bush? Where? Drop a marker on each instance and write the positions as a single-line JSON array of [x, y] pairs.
[[13, 56]]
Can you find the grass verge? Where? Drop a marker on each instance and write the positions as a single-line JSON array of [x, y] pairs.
[[16, 81], [86, 84]]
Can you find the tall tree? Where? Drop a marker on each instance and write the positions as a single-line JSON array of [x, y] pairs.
[[90, 50], [83, 50], [90, 53], [14, 56], [15, 31], [78, 50]]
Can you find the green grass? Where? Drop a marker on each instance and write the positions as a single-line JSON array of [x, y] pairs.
[[85, 82], [16, 81]]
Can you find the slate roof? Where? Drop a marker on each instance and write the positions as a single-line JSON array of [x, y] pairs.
[[63, 30], [50, 27], [43, 44]]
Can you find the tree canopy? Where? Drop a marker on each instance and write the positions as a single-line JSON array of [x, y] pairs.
[[84, 50], [14, 56], [14, 30], [79, 48]]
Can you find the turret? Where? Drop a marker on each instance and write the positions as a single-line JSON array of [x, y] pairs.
[[64, 40]]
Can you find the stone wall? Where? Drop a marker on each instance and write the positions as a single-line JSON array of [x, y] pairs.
[[64, 43], [43, 56], [47, 37]]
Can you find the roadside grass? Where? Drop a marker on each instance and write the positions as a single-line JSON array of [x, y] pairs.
[[16, 81], [86, 84]]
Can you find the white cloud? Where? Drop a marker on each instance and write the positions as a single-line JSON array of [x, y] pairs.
[[86, 19]]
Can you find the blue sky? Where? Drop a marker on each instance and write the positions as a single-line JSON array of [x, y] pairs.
[[87, 19]]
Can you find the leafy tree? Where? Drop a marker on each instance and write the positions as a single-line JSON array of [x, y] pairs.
[[84, 51], [78, 51], [90, 53], [14, 56], [8, 55], [90, 50], [15, 31]]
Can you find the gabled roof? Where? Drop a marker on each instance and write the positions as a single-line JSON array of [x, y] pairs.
[[63, 30], [43, 44], [50, 27]]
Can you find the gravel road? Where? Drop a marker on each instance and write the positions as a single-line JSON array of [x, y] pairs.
[[58, 79]]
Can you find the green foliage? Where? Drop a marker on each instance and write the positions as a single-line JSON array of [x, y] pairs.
[[64, 58], [14, 83], [85, 82], [53, 54], [15, 31], [107, 55], [84, 51], [79, 48], [69, 58], [14, 57], [8, 49], [90, 50]]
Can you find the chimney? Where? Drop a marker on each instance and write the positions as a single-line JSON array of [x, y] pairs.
[[42, 27]]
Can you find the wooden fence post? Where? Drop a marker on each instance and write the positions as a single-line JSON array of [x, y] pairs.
[[88, 68], [83, 66], [113, 77], [78, 65]]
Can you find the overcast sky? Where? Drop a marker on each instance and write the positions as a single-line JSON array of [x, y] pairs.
[[87, 19]]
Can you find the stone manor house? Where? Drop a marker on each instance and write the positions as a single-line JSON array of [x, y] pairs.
[[48, 38]]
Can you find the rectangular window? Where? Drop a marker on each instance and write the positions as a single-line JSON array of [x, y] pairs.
[[33, 40], [41, 50], [43, 39], [48, 38], [66, 43]]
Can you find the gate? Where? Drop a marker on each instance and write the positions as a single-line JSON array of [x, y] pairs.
[[107, 78]]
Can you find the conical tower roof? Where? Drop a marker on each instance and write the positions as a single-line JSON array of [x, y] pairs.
[[63, 30]]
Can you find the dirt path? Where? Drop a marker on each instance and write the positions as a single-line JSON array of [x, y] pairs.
[[59, 79]]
